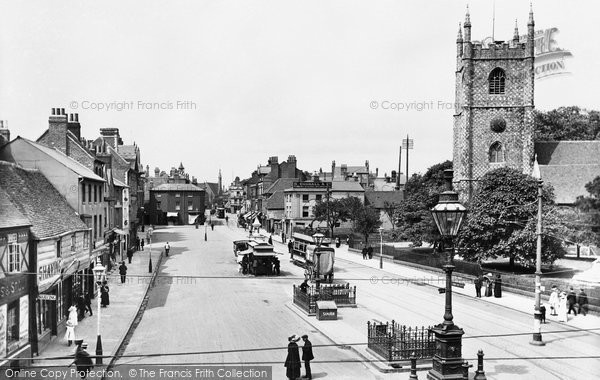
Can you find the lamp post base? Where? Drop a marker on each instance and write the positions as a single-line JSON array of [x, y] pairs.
[[99, 350], [537, 330], [150, 265], [447, 361]]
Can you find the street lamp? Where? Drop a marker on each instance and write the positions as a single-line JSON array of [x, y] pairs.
[[448, 215], [149, 236], [318, 238], [99, 275], [537, 314], [380, 247]]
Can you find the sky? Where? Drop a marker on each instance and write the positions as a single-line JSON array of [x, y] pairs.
[[228, 84]]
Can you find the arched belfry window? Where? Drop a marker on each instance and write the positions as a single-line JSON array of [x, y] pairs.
[[496, 152], [497, 79]]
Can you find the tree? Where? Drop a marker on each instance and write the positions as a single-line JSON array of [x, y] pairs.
[[392, 211], [567, 123], [332, 211], [367, 221], [586, 216], [421, 194], [502, 220]]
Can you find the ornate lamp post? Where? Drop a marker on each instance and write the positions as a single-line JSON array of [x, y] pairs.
[[99, 275], [447, 361], [380, 247], [318, 238]]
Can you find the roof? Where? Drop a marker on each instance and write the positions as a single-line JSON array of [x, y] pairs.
[[66, 161], [568, 166], [11, 216], [176, 187], [276, 201], [346, 186], [377, 199], [128, 152], [568, 152], [118, 183], [281, 184], [37, 200], [213, 187]]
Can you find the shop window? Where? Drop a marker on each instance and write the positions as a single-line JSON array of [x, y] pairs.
[[12, 326], [177, 206], [44, 316]]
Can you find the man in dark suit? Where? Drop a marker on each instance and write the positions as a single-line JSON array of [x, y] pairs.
[[478, 284], [571, 301], [307, 356]]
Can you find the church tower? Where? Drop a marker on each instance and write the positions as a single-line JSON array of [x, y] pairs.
[[493, 120]]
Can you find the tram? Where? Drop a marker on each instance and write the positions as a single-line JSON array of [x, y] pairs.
[[306, 254]]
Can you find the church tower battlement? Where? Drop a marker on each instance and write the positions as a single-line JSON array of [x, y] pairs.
[[494, 103]]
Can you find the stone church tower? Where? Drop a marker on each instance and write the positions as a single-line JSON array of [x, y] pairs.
[[493, 121]]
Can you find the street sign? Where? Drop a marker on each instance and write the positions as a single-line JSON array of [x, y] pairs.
[[47, 297]]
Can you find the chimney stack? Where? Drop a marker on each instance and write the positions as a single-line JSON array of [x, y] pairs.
[[57, 130], [4, 133], [111, 136], [73, 126]]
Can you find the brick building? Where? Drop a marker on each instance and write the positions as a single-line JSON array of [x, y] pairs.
[[176, 203], [493, 121]]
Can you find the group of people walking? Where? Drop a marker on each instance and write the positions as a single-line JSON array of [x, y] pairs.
[[562, 303], [292, 362], [489, 284], [367, 253]]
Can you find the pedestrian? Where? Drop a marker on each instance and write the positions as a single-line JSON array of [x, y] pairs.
[[104, 297], [123, 271], [290, 247], [292, 361], [562, 308], [304, 286], [370, 252], [70, 324], [553, 301], [142, 244], [80, 307], [364, 253], [245, 264], [270, 240], [488, 284], [582, 301], [226, 219], [277, 266], [571, 301], [307, 356], [498, 287], [478, 282], [337, 242], [83, 361], [137, 243], [167, 248], [88, 302], [212, 226], [543, 314], [348, 241]]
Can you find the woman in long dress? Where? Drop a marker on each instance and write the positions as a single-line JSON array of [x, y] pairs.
[[562, 308], [553, 301], [292, 362], [104, 297], [71, 323]]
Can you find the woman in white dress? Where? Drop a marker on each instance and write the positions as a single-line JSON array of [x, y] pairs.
[[562, 308], [71, 323], [553, 300]]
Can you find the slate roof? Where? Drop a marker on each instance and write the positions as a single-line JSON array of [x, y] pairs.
[[346, 186], [281, 184], [276, 201], [36, 199], [568, 166], [128, 152], [11, 216], [213, 187], [176, 187], [68, 162], [377, 199]]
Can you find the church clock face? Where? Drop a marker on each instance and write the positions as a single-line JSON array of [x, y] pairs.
[[498, 125]]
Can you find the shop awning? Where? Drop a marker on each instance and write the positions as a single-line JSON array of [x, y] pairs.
[[192, 219], [172, 214], [120, 232]]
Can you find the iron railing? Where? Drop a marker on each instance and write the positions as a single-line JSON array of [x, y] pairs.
[[395, 342]]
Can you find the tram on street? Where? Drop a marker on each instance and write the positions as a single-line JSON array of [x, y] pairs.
[[315, 260], [257, 257]]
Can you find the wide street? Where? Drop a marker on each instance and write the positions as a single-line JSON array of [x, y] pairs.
[[203, 311]]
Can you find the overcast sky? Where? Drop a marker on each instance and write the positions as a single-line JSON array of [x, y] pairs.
[[267, 78]]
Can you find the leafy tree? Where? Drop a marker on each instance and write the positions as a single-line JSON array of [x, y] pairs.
[[567, 123], [367, 221], [586, 222], [332, 211], [392, 211], [502, 220], [421, 194]]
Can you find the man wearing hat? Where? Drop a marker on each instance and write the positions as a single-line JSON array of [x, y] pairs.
[[83, 361], [307, 355], [292, 362]]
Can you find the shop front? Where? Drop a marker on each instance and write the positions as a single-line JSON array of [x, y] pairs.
[[14, 321]]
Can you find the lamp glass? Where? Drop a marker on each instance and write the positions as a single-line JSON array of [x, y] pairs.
[[318, 238], [448, 217]]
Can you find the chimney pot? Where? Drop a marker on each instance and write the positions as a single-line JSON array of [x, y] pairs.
[[62, 111], [53, 111], [77, 117]]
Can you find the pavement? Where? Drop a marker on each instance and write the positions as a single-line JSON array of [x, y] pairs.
[[115, 319], [349, 329]]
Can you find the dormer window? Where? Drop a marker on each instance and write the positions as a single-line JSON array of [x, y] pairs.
[[497, 80]]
